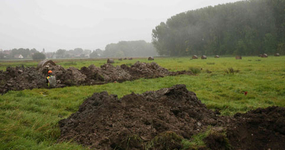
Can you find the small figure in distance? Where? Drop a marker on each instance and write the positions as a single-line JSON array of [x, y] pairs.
[[48, 77], [51, 80]]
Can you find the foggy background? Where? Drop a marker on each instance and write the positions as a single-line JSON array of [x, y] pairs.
[[88, 24]]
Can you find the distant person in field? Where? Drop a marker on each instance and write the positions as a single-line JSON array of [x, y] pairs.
[[49, 75]]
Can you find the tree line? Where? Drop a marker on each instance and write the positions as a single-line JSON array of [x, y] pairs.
[[73, 53], [120, 49], [247, 27], [130, 49], [25, 53]]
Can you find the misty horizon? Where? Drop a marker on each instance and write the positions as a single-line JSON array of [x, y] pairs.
[[86, 24]]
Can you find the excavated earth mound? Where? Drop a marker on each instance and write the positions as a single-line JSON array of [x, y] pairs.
[[105, 122], [161, 119], [20, 78], [258, 129]]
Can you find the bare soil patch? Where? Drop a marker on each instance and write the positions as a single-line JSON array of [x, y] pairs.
[[258, 129], [161, 119], [105, 122], [20, 78]]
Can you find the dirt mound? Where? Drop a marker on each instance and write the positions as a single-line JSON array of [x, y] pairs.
[[21, 78], [258, 129], [147, 70], [162, 119], [111, 73], [73, 77], [150, 70], [103, 121]]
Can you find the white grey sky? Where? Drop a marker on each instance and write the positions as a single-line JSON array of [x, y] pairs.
[[87, 24]]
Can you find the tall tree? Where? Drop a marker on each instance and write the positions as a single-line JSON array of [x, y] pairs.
[[245, 28]]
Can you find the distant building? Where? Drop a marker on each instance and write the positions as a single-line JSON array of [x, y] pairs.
[[18, 56]]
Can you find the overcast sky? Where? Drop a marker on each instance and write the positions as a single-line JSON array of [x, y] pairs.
[[87, 24]]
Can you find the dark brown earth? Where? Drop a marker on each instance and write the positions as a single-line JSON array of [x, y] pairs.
[[260, 129], [20, 78], [103, 121], [158, 120]]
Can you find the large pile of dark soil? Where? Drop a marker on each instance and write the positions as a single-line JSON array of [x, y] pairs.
[[260, 129], [20, 78], [161, 119], [105, 122]]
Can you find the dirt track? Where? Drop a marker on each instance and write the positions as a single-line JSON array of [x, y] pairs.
[[161, 119], [20, 78]]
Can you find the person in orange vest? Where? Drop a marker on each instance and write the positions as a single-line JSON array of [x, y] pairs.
[[49, 75]]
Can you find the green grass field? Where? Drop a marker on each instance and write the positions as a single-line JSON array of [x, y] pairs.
[[28, 119]]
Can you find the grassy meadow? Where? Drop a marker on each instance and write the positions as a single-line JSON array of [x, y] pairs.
[[28, 119]]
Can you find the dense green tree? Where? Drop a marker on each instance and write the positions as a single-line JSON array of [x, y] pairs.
[[244, 28], [129, 49], [39, 56]]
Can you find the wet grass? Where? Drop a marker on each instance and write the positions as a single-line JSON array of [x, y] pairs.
[[29, 118], [26, 63], [196, 141]]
